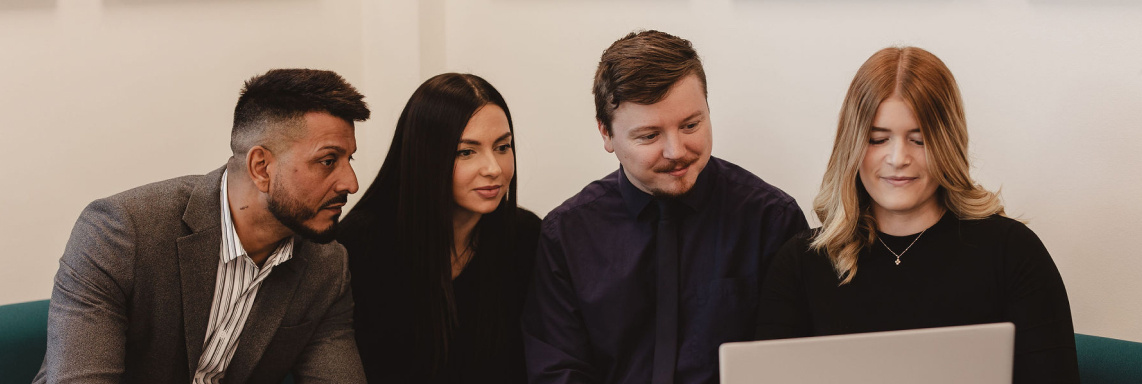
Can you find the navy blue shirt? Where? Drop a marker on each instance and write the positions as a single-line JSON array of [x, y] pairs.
[[591, 313]]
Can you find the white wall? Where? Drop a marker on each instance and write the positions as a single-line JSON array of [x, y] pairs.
[[1053, 91], [99, 97], [96, 98]]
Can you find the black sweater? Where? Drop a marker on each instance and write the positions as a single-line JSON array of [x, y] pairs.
[[959, 272], [385, 324]]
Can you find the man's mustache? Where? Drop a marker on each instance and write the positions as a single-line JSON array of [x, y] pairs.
[[341, 199], [675, 164]]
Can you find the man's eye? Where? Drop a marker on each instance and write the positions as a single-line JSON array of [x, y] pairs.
[[650, 136], [691, 125], [504, 147], [327, 162]]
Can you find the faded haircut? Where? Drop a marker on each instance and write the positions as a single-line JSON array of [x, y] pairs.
[[270, 109]]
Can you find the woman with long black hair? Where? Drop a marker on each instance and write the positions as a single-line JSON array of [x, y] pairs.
[[439, 252]]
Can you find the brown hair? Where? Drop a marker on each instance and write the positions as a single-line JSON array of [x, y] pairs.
[[927, 86], [641, 68]]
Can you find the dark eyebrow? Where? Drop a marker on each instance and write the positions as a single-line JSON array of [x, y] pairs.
[[474, 142], [333, 148]]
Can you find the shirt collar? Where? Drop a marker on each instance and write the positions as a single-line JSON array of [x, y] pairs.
[[232, 245], [282, 254], [636, 200]]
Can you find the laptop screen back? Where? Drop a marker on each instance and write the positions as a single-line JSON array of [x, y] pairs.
[[980, 354]]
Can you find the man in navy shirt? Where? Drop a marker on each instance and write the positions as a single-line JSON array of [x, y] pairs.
[[644, 273]]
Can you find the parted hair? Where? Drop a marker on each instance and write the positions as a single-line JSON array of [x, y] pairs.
[[929, 89], [641, 68], [414, 188], [271, 106]]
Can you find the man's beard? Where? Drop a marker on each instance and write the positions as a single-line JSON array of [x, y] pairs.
[[665, 194], [293, 214]]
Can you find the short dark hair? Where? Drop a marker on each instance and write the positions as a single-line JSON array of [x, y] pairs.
[[641, 68], [276, 101]]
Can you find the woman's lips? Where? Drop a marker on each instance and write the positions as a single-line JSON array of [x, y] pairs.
[[899, 181], [489, 192]]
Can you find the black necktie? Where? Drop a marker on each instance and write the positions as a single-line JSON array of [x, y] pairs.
[[666, 304]]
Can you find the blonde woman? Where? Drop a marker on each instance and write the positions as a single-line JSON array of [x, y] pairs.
[[908, 239]]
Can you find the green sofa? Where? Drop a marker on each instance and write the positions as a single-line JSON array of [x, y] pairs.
[[24, 332], [1104, 360], [23, 340]]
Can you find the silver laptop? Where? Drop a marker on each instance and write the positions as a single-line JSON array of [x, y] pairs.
[[978, 354]]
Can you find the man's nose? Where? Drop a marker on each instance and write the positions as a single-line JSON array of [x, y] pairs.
[[349, 180], [672, 146]]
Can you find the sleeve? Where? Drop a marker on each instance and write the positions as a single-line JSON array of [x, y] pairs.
[[554, 335], [87, 317], [785, 223], [1037, 304], [783, 310], [331, 354]]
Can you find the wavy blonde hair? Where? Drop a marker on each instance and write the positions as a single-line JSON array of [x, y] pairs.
[[927, 86]]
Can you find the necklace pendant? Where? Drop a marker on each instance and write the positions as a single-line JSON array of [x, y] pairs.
[[905, 248]]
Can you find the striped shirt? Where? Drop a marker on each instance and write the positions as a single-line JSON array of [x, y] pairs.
[[237, 284]]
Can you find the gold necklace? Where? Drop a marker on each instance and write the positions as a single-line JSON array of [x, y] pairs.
[[905, 249]]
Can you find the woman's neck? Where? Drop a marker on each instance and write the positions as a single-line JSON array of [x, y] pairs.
[[463, 223], [906, 223]]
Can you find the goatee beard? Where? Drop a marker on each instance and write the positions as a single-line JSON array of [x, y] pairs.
[[293, 215]]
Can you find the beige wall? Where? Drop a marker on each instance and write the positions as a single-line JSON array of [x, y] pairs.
[[98, 97], [1052, 90]]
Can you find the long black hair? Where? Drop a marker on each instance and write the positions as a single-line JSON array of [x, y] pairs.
[[415, 185]]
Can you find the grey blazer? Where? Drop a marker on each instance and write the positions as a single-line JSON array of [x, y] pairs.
[[133, 292]]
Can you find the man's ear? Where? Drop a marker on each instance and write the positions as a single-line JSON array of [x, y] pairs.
[[607, 145], [258, 161]]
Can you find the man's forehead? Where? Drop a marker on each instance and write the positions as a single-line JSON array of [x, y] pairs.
[[322, 123], [315, 141], [683, 99], [633, 116]]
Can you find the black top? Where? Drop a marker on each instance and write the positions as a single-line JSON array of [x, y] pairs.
[[591, 315], [385, 323], [959, 272]]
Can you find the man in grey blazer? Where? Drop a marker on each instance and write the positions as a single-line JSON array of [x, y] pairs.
[[226, 277]]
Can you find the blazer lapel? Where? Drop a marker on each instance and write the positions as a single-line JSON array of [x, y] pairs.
[[198, 255], [274, 297]]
